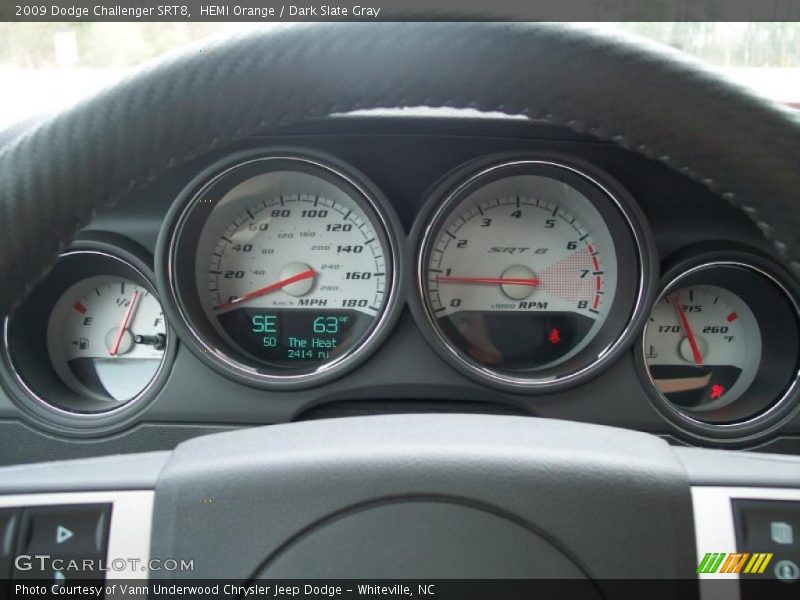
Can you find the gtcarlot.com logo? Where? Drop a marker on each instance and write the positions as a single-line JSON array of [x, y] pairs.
[[44, 562]]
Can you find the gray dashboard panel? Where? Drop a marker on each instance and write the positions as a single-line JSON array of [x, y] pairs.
[[21, 444], [114, 472]]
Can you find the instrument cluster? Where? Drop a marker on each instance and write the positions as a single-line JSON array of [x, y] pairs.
[[286, 269]]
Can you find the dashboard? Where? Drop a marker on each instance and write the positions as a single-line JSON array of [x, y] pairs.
[[381, 263]]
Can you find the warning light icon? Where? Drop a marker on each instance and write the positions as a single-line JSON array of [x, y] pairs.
[[554, 337], [717, 391]]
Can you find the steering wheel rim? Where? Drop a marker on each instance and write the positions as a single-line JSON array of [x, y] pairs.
[[741, 146]]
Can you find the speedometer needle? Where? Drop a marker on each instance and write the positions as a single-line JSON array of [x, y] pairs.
[[698, 358], [532, 282], [268, 288], [126, 320]]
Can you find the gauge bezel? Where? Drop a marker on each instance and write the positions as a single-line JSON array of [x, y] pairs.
[[622, 324], [175, 247], [756, 426], [49, 402]]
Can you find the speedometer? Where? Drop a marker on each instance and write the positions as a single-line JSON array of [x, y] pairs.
[[293, 269], [531, 273]]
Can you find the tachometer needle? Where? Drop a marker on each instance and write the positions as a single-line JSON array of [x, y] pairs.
[[269, 288], [532, 282], [698, 358], [126, 319]]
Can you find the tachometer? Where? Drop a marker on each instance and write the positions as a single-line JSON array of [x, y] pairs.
[[525, 268], [293, 269], [530, 273]]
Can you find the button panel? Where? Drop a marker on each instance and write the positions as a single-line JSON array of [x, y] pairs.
[[69, 531], [770, 528], [52, 537], [84, 533]]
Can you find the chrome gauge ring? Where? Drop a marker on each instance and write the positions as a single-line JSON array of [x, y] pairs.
[[90, 347], [281, 269], [532, 274], [719, 354]]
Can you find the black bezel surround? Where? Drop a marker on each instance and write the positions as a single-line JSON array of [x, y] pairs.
[[636, 259], [26, 367], [772, 295], [177, 244]]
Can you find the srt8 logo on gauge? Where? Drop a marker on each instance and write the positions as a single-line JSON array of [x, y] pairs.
[[283, 269], [529, 273]]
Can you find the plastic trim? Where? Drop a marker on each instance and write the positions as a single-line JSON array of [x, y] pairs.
[[715, 530]]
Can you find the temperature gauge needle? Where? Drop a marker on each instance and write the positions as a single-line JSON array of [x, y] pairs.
[[269, 288], [126, 320], [532, 282], [698, 358]]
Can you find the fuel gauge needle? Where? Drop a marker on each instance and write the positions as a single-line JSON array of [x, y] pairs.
[[698, 358], [126, 320]]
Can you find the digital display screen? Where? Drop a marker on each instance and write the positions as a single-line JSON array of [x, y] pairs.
[[294, 338]]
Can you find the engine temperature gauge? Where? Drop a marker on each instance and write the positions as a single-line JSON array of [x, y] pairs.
[[702, 347], [106, 338], [719, 352]]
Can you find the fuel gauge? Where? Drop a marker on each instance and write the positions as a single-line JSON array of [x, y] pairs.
[[88, 350], [106, 338]]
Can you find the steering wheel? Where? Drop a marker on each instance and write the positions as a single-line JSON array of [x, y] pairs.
[[460, 495]]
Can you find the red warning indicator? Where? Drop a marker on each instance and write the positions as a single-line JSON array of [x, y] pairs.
[[554, 337], [79, 307], [732, 317], [717, 391]]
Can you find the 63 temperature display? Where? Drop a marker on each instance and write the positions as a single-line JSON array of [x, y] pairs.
[[288, 336]]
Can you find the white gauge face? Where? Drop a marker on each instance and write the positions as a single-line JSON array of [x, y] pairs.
[[106, 338], [522, 273], [292, 270], [702, 347]]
